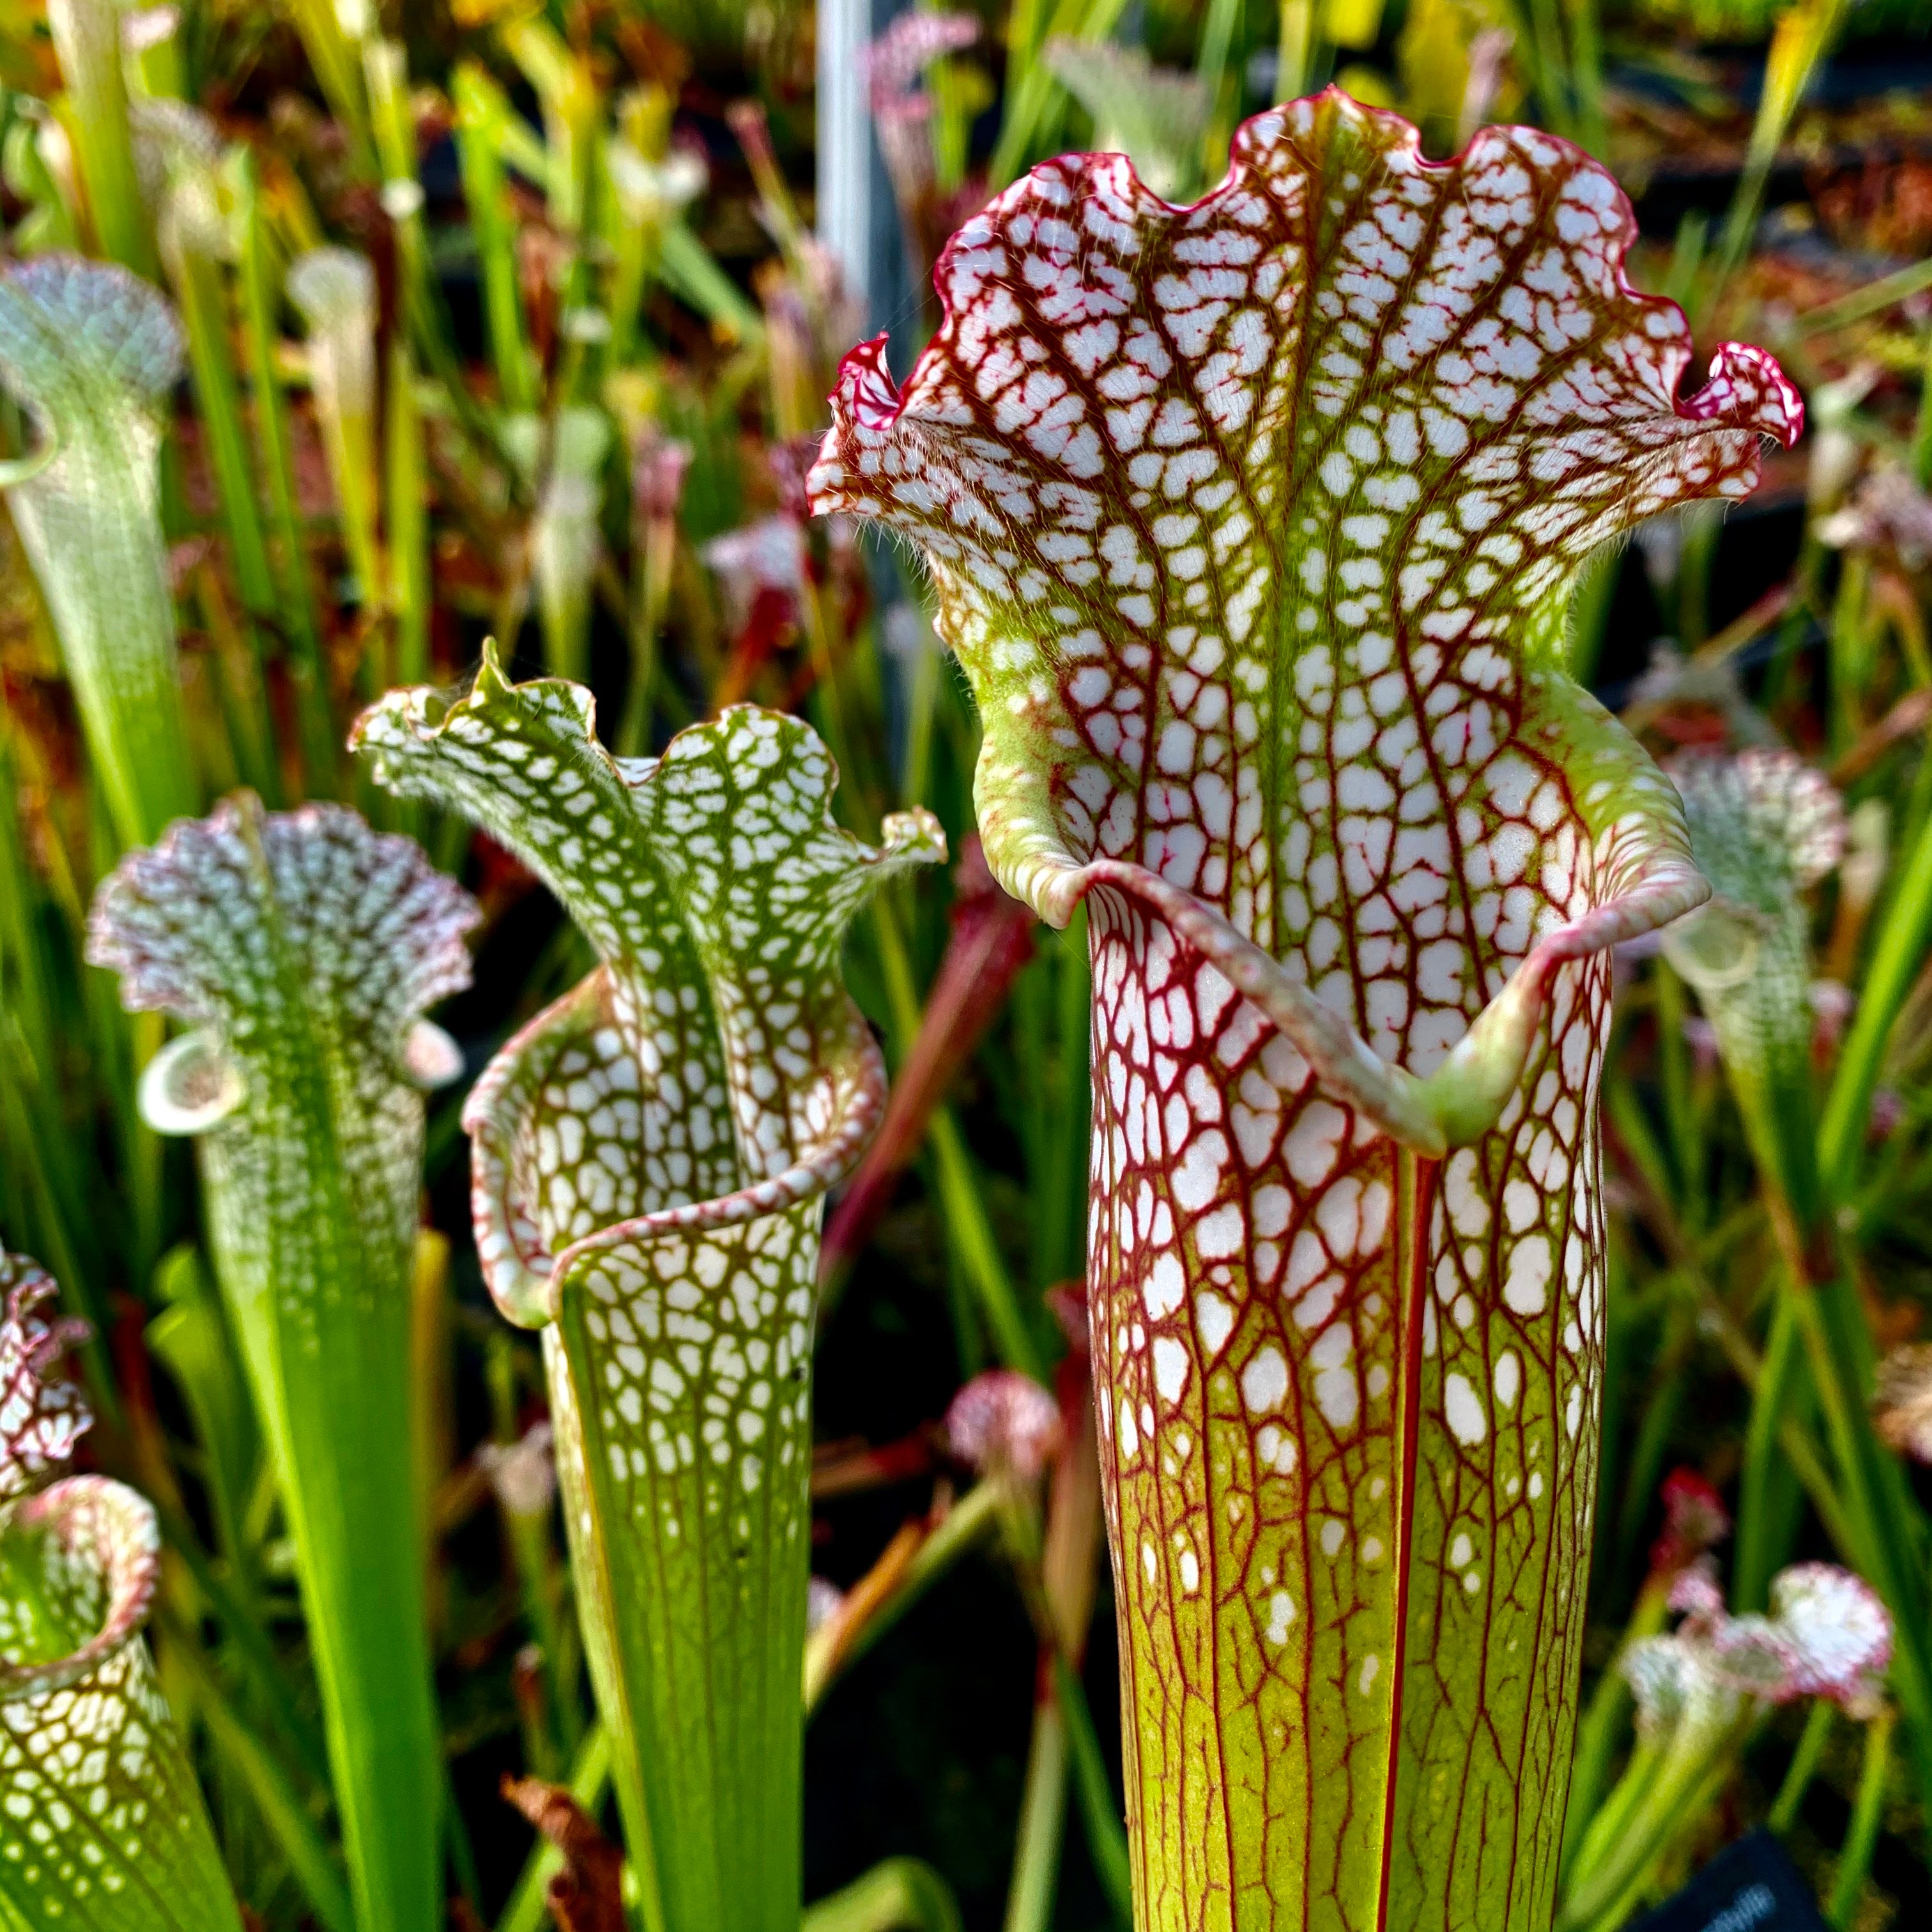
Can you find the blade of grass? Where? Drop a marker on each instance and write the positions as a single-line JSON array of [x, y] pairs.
[[52, 220], [332, 60], [1587, 76], [1688, 1150], [189, 1338], [898, 1581], [1029, 101], [22, 958], [411, 591], [461, 1852], [533, 1557], [87, 41], [1799, 42], [1712, 1316], [568, 96], [1921, 434], [235, 668], [1057, 1570], [1294, 49], [1035, 1873], [1855, 1857], [1861, 304], [1211, 63], [566, 539], [1550, 67], [969, 1229], [254, 1649], [1804, 1766], [990, 940], [1600, 1728], [976, 1250], [275, 1796], [1898, 956], [657, 477], [200, 292], [1765, 1519], [1885, 1520], [689, 272], [393, 116], [481, 109], [1650, 1449], [294, 598], [1094, 1786], [1070, 1579], [54, 1207], [897, 1895], [1795, 1443]]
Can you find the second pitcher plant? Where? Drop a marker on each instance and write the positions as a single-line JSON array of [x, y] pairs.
[[651, 1158]]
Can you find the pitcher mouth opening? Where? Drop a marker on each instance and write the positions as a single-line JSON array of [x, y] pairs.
[[103, 1525], [520, 1269]]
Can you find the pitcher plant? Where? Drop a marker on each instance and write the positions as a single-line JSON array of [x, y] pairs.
[[92, 352], [302, 948], [651, 1157], [1254, 524], [102, 1825]]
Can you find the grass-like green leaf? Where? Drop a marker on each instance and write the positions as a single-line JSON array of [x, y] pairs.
[[87, 37], [302, 947], [651, 1157], [1254, 525]]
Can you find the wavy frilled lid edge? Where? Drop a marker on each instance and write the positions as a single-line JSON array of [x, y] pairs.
[[205, 924], [1006, 425]]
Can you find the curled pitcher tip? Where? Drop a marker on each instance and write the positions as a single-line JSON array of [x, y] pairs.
[[865, 405], [866, 385], [93, 1525], [1746, 389], [190, 1086]]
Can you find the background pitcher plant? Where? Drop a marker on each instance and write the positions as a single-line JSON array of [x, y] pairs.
[[302, 947], [93, 352], [1254, 525], [651, 1157]]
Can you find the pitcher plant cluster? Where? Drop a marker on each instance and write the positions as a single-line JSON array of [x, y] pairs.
[[1283, 1118]]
